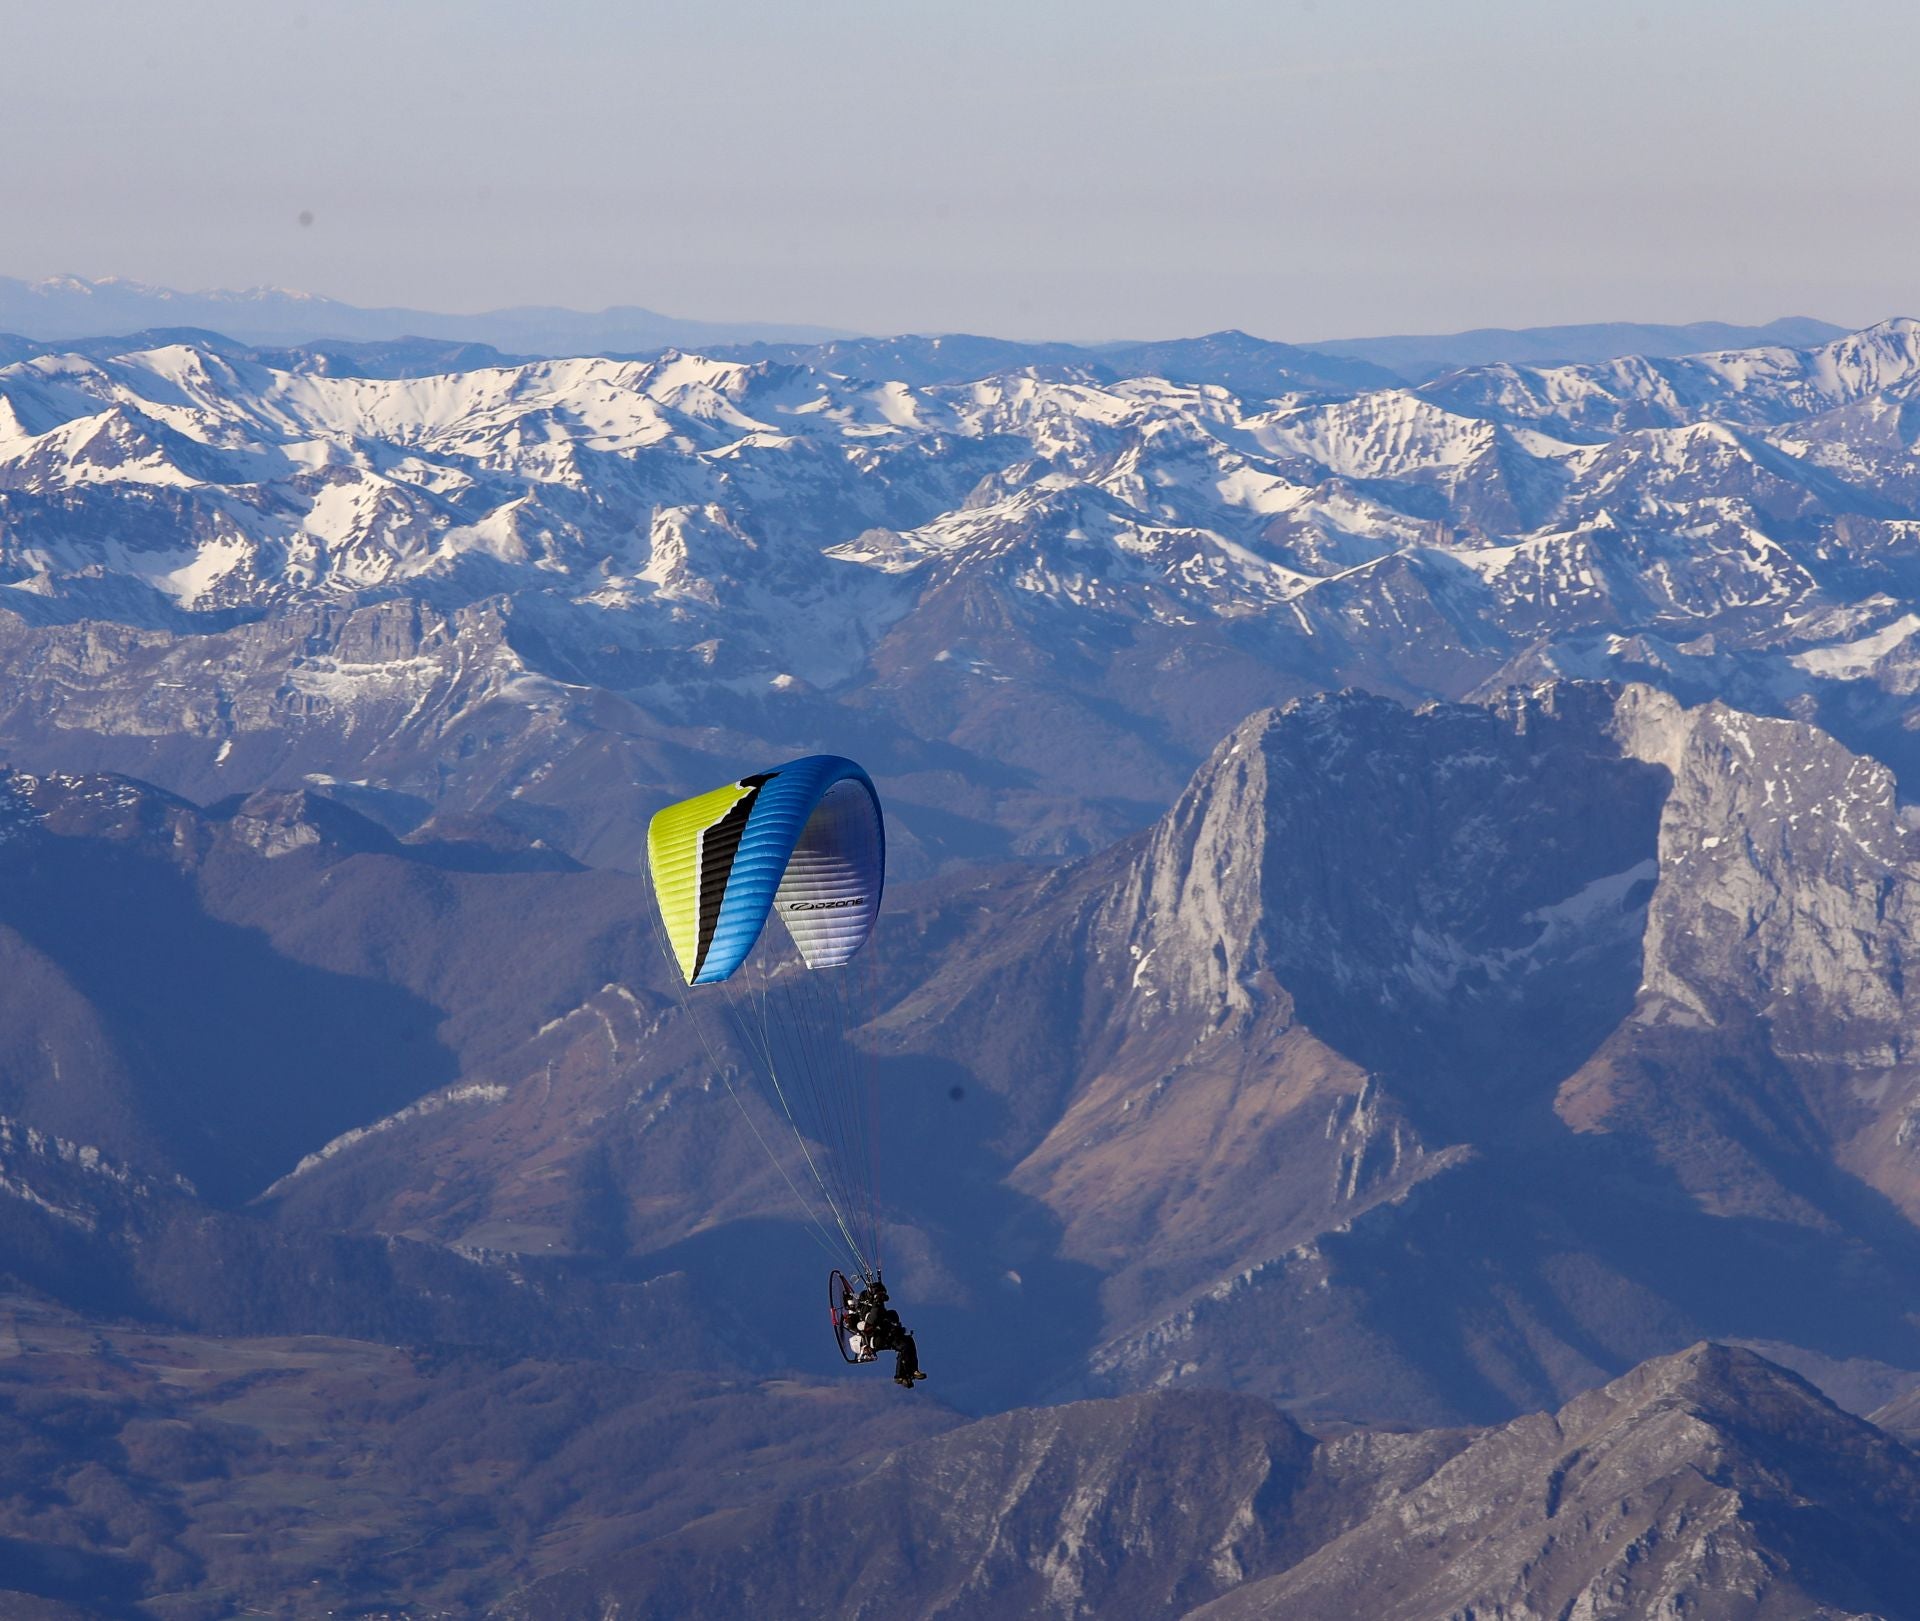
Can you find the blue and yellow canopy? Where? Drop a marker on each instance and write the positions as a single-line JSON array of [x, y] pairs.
[[805, 841]]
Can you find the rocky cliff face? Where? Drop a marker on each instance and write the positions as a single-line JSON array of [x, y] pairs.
[[1350, 850], [1394, 1009], [1775, 999], [1304, 962]]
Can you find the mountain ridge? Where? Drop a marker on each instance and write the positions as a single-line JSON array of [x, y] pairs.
[[1662, 1493], [68, 306]]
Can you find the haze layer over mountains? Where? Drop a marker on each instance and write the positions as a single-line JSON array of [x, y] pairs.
[[1402, 900]]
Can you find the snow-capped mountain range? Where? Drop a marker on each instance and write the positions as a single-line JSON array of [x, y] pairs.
[[1129, 563]]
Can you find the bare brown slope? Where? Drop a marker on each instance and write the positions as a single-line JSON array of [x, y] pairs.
[[218, 994], [188, 1477], [1136, 1507], [1901, 1416], [1708, 1483]]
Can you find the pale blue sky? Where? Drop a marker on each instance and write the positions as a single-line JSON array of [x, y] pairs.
[[1028, 167]]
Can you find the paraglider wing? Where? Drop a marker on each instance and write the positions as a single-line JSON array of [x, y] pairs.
[[805, 840]]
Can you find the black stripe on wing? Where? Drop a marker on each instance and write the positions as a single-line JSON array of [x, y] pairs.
[[719, 844]]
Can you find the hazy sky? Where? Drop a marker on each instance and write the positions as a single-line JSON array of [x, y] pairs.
[[1065, 168]]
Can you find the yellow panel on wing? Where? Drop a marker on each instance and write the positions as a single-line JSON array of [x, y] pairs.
[[673, 859]]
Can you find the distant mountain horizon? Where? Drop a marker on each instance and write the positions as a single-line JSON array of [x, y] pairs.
[[1419, 357], [69, 308], [57, 308]]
